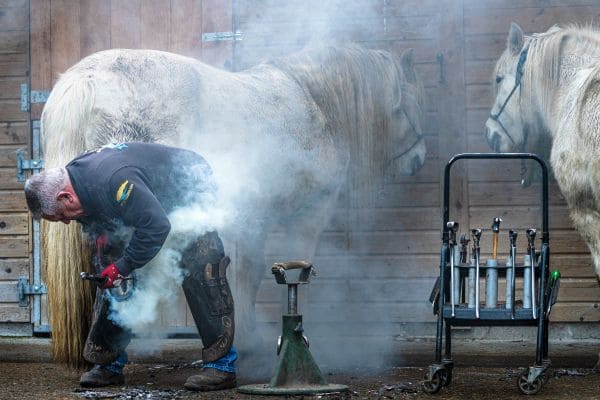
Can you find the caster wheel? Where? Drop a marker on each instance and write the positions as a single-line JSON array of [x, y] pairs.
[[446, 377], [530, 388], [434, 383]]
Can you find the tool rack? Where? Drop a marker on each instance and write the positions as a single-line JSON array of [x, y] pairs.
[[453, 271]]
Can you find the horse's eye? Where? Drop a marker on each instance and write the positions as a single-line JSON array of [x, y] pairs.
[[498, 79]]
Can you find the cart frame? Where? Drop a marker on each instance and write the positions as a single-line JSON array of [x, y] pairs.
[[440, 373]]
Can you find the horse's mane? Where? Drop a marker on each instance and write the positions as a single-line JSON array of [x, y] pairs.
[[356, 89], [546, 56]]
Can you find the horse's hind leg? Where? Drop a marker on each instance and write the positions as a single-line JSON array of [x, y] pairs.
[[250, 268]]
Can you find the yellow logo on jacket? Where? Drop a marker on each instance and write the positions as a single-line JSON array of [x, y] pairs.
[[124, 192]]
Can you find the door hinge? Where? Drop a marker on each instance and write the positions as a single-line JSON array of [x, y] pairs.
[[220, 36], [31, 97], [24, 289], [23, 164]]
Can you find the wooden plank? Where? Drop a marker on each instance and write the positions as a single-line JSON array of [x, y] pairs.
[[14, 313], [573, 265], [65, 34], [405, 194], [376, 266], [520, 217], [13, 268], [13, 64], [476, 121], [10, 111], [383, 243], [575, 312], [579, 290], [125, 24], [156, 23], [485, 48], [95, 26], [14, 246], [531, 19], [8, 156], [14, 224], [41, 60], [185, 31], [10, 88], [412, 7], [12, 201], [13, 18], [396, 219], [8, 179], [13, 133], [493, 194], [8, 292], [489, 4], [371, 290], [14, 3], [340, 313], [479, 72], [480, 96], [14, 42]]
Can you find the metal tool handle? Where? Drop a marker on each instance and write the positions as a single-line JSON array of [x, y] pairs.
[[476, 234], [531, 233], [512, 235]]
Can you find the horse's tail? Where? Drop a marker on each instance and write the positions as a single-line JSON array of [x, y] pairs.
[[66, 252]]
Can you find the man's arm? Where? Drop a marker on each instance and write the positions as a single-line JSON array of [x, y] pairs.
[[138, 207]]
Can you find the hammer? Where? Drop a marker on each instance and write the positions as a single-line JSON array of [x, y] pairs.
[[476, 235], [531, 232], [453, 227], [496, 230]]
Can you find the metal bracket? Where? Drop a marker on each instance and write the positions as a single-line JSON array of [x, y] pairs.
[[24, 289], [23, 164], [32, 97], [221, 36]]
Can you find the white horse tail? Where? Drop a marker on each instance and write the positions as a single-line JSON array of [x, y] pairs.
[[67, 253]]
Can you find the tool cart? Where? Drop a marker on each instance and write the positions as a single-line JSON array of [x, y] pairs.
[[456, 296]]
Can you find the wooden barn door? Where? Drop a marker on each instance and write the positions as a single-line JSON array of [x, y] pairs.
[[15, 227], [65, 31]]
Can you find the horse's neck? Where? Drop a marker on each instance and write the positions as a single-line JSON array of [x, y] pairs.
[[570, 54]]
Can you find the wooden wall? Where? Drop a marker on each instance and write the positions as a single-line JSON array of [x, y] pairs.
[[376, 266], [14, 134]]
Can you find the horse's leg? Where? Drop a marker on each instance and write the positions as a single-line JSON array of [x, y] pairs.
[[249, 270]]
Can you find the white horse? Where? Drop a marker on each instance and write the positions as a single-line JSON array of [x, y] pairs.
[[281, 138], [548, 100]]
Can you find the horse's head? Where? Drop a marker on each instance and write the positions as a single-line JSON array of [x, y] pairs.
[[408, 145], [505, 130]]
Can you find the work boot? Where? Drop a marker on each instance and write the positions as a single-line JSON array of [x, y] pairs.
[[211, 379], [100, 376]]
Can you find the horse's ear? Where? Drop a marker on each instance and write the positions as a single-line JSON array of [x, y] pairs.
[[515, 39], [408, 65]]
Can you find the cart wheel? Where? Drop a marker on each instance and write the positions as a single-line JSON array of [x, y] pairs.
[[434, 384], [446, 376], [530, 388]]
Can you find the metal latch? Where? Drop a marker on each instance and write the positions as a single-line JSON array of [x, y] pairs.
[[220, 36], [23, 164], [32, 97], [24, 289]]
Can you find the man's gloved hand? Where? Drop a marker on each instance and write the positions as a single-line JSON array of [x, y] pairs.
[[112, 275]]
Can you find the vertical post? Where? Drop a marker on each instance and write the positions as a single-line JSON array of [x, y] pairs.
[[292, 298]]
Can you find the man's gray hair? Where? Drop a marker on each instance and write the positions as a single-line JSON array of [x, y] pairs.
[[41, 191]]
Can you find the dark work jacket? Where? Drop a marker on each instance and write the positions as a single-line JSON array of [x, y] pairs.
[[136, 185]]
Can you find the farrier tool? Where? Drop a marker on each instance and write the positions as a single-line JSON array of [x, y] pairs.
[[476, 235], [531, 232], [122, 289], [452, 227], [512, 236]]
